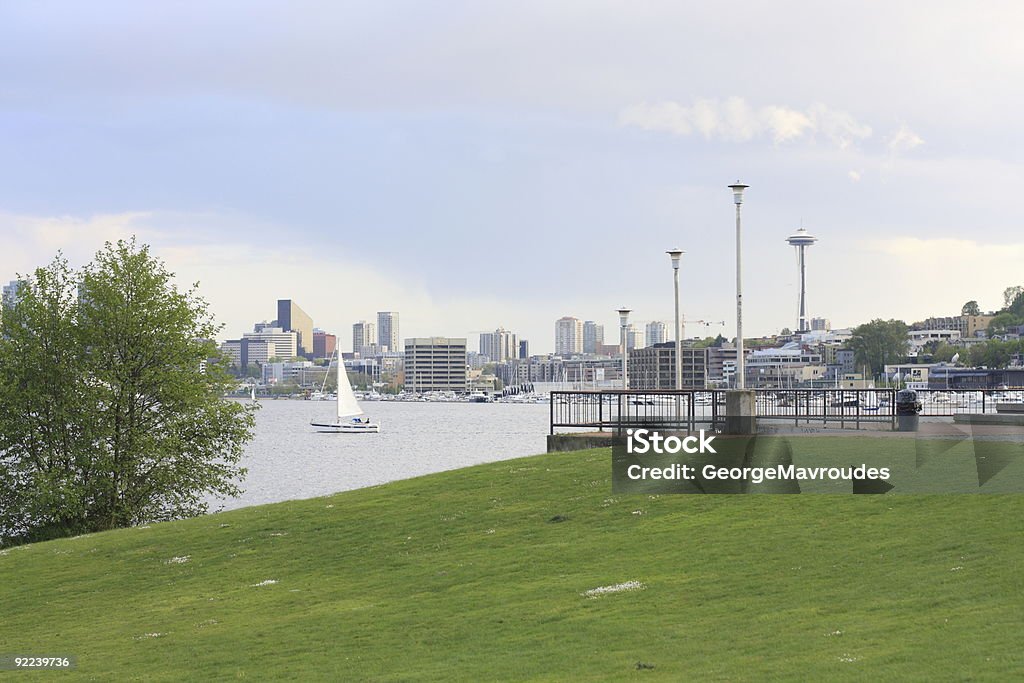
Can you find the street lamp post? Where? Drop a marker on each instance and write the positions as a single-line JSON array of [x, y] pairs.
[[676, 255], [737, 195], [623, 321]]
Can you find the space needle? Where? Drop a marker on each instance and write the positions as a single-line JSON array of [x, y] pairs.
[[801, 239]]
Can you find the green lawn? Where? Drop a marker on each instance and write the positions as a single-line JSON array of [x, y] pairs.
[[464, 576]]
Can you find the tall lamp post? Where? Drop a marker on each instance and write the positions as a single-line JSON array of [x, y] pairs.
[[737, 196], [676, 255], [623, 321]]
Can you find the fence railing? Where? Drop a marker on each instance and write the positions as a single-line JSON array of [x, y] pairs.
[[688, 408]]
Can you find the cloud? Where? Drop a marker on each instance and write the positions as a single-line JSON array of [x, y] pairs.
[[903, 140], [242, 281], [735, 120], [853, 175]]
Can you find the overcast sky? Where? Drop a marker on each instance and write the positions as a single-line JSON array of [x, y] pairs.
[[476, 164]]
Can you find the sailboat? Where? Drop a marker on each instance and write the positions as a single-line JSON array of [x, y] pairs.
[[348, 409]]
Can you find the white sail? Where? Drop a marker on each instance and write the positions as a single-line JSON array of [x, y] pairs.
[[347, 404]]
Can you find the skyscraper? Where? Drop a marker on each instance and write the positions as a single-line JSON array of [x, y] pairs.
[[593, 337], [291, 318], [499, 345], [656, 333], [387, 330], [364, 336], [568, 336]]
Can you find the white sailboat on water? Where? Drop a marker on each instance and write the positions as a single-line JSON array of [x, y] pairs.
[[348, 410]]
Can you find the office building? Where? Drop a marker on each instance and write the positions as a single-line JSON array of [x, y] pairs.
[[387, 330], [283, 345], [524, 348], [291, 318], [324, 344], [435, 364], [654, 367]]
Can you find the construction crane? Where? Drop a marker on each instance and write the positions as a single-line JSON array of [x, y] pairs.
[[706, 323]]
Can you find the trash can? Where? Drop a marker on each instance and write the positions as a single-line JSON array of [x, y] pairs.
[[907, 410]]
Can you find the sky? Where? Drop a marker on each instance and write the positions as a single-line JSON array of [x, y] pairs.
[[482, 164]]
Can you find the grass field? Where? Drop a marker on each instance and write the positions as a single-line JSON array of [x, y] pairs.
[[483, 574]]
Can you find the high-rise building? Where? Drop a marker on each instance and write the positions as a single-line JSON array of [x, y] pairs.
[[435, 364], [820, 324], [364, 337], [499, 345], [324, 344], [656, 333], [387, 330], [524, 348], [593, 337], [291, 318], [10, 295], [568, 336]]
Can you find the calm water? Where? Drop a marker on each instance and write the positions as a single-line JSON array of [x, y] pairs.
[[287, 459]]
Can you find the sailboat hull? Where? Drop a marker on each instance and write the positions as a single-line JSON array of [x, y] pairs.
[[347, 427]]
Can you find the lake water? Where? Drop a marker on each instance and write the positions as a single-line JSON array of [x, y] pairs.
[[288, 459]]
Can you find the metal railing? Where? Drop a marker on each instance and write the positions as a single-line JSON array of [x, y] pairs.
[[686, 409]]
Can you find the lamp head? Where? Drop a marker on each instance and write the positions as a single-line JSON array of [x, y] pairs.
[[624, 316], [675, 254], [737, 192]]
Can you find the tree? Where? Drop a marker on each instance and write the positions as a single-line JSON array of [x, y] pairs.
[[110, 414], [971, 308], [1011, 294], [878, 343]]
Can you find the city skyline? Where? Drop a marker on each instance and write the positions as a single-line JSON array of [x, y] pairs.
[[345, 188]]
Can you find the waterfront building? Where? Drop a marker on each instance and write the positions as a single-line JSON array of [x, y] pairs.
[[387, 331], [291, 318], [568, 336], [435, 364], [593, 337], [654, 367], [790, 365]]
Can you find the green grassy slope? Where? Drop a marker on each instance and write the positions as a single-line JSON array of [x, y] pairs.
[[463, 576]]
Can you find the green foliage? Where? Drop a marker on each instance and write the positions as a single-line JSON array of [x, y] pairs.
[[110, 414], [971, 308], [1011, 295], [879, 342], [994, 353]]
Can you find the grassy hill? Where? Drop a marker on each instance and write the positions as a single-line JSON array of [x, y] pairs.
[[483, 573]]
